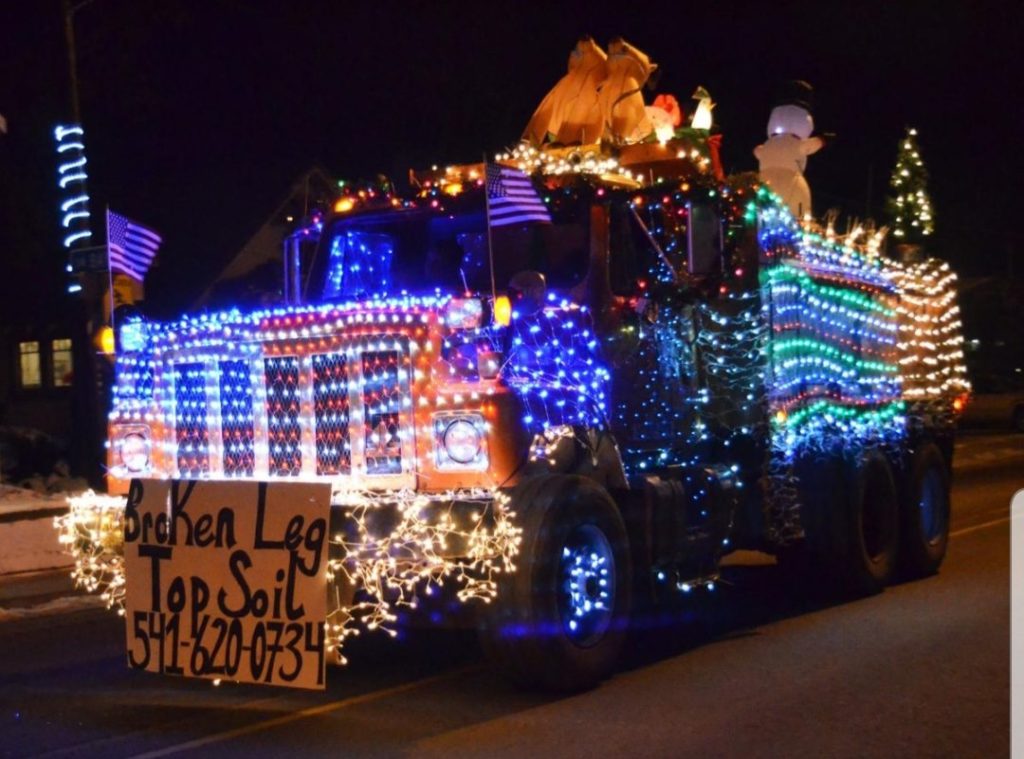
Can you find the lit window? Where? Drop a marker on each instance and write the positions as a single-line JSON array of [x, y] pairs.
[[29, 364], [61, 352]]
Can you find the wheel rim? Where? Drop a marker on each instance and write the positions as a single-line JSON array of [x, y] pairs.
[[931, 506], [587, 572]]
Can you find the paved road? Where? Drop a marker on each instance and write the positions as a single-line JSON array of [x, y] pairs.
[[921, 670]]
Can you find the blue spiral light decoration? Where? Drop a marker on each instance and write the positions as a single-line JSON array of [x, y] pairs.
[[71, 178]]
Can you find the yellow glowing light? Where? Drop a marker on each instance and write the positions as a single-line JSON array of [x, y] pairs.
[[453, 189], [702, 118], [105, 341], [344, 205], [502, 311], [781, 416]]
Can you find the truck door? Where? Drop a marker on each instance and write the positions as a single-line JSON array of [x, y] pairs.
[[650, 349]]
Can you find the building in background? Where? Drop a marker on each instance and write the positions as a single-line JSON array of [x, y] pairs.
[[38, 322]]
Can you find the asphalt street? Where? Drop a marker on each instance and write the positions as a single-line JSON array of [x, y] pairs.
[[753, 669]]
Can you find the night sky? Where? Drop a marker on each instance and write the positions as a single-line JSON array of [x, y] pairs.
[[200, 113]]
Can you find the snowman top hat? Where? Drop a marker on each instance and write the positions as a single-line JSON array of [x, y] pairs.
[[795, 92]]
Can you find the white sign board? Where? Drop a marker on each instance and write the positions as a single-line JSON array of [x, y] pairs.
[[228, 580]]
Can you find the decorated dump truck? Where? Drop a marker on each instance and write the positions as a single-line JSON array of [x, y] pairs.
[[543, 393]]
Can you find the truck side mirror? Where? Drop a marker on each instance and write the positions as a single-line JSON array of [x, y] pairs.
[[527, 290]]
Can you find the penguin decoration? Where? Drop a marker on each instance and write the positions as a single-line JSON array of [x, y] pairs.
[[702, 117], [782, 158]]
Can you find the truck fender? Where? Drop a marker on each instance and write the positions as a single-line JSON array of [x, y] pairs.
[[584, 451]]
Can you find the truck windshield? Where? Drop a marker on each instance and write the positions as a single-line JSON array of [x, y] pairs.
[[417, 251]]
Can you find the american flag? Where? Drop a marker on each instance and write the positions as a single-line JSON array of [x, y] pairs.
[[512, 199], [131, 247]]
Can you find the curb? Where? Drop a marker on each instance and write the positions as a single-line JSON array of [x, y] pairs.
[[30, 588], [29, 514]]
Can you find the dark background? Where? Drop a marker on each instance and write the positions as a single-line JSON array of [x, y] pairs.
[[200, 113]]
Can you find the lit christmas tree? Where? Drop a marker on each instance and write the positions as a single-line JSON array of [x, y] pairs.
[[908, 206]]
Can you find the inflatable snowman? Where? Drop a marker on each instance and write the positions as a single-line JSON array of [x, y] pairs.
[[782, 157]]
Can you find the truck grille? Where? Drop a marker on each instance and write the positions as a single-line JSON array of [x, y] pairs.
[[284, 434], [190, 408], [236, 422], [382, 404], [331, 414], [324, 415]]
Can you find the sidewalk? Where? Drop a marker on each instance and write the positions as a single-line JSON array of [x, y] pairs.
[[20, 589], [28, 540], [35, 572], [25, 596]]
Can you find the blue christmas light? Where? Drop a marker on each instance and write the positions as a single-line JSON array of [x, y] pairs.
[[71, 178]]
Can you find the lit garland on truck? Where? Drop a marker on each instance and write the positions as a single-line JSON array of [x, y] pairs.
[[833, 365], [431, 545], [930, 335]]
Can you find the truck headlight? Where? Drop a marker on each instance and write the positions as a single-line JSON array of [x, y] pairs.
[[133, 450], [460, 441]]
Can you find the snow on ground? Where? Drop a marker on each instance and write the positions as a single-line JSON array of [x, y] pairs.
[[16, 500], [31, 544]]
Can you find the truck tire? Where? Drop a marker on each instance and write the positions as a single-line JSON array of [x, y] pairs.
[[871, 526], [850, 514], [559, 621], [924, 532]]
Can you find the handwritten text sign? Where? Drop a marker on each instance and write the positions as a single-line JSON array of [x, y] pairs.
[[227, 580]]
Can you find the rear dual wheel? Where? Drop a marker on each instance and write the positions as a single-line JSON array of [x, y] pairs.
[[924, 530], [850, 512], [873, 521]]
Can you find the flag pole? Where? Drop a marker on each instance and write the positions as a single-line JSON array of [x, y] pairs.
[[110, 275], [490, 245]]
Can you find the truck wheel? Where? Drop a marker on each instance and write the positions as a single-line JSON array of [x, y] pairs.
[[850, 514], [560, 620], [871, 526], [925, 525]]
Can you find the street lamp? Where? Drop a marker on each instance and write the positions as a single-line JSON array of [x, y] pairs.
[[88, 402], [70, 9]]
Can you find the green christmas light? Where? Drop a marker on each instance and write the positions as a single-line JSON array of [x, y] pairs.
[[909, 206]]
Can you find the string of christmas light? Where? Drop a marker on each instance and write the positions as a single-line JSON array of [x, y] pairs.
[[931, 336], [554, 366], [833, 366], [92, 532], [585, 162], [464, 538]]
